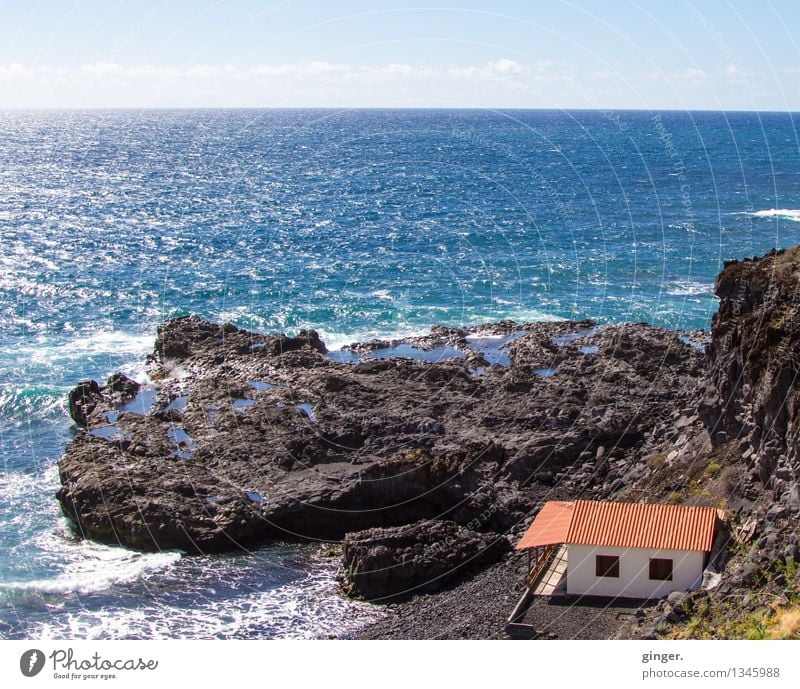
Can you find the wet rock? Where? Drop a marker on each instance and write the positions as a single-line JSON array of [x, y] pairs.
[[83, 399], [120, 388]]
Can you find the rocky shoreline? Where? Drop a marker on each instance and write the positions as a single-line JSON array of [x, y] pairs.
[[428, 456]]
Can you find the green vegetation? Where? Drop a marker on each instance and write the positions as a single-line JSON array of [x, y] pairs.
[[786, 624], [777, 322], [656, 460], [332, 550], [757, 613], [414, 455]]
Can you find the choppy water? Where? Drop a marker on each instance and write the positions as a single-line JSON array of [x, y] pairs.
[[360, 224]]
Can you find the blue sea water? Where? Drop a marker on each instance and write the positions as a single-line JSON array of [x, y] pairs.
[[356, 223]]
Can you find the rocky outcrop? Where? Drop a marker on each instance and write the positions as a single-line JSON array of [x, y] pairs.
[[83, 399], [242, 437], [87, 395], [190, 336], [379, 564], [731, 443], [754, 361]]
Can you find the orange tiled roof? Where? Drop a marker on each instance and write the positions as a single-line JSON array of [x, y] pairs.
[[623, 524], [550, 526], [642, 525]]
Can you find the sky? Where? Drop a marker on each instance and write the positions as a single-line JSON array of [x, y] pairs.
[[611, 54]]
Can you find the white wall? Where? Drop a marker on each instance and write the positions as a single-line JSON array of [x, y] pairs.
[[634, 572]]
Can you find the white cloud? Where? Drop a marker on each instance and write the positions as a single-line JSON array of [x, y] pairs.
[[491, 70], [506, 66], [690, 76], [270, 70], [204, 71], [103, 69], [394, 68], [325, 67], [499, 81], [298, 69], [503, 69], [737, 75], [397, 70], [112, 69], [15, 71], [152, 72]]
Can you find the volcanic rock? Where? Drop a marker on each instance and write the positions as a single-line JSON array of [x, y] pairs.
[[420, 557]]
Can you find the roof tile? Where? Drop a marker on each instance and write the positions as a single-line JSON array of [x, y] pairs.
[[622, 524], [642, 525], [550, 526]]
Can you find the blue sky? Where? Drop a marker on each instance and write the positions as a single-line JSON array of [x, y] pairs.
[[682, 54]]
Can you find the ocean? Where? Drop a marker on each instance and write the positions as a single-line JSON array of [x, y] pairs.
[[360, 224]]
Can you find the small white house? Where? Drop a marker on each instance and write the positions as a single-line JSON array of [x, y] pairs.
[[618, 549]]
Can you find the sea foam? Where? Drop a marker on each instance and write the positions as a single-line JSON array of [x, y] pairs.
[[787, 214], [95, 567]]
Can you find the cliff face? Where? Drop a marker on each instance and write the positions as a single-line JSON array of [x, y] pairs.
[[751, 410], [753, 361]]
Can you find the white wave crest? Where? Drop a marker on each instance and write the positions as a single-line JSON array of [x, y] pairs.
[[689, 288], [98, 568], [788, 214], [110, 342], [19, 405], [306, 609]]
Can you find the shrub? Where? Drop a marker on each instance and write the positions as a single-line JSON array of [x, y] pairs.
[[756, 630], [786, 624], [413, 455]]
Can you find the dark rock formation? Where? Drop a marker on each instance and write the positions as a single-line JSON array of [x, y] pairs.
[[420, 557], [83, 400], [243, 437], [87, 395], [754, 360], [120, 388], [254, 437]]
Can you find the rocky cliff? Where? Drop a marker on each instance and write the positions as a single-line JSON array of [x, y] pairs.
[[750, 410], [753, 362], [459, 436]]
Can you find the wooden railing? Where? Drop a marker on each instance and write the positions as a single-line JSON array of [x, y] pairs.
[[542, 561]]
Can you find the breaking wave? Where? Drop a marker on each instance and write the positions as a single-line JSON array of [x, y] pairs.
[[785, 213]]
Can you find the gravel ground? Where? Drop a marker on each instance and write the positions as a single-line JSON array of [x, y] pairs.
[[479, 607], [597, 618]]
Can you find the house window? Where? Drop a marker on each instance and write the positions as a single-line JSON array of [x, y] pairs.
[[606, 566], [661, 569]]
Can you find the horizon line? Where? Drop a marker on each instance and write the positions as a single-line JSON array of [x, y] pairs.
[[71, 108]]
